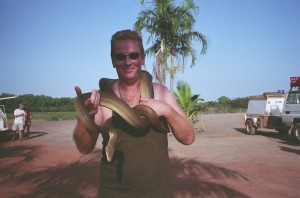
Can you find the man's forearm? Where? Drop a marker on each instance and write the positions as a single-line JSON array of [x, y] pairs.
[[19, 115], [181, 127], [85, 140]]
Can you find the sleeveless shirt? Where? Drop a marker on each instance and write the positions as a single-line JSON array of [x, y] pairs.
[[140, 166]]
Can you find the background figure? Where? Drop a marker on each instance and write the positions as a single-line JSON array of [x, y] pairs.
[[19, 114], [27, 125]]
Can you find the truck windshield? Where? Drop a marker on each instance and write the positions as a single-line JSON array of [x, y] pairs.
[[293, 98]]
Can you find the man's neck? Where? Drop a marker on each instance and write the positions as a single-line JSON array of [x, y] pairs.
[[129, 93]]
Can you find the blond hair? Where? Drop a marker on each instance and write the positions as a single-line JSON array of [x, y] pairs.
[[123, 35]]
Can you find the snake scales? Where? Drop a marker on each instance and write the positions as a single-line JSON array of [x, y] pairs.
[[140, 116]]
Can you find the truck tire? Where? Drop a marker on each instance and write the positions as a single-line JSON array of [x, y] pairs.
[[251, 130], [296, 132]]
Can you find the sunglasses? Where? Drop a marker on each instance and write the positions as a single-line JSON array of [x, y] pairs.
[[132, 56]]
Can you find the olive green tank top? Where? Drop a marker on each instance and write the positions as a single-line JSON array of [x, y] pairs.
[[140, 166]]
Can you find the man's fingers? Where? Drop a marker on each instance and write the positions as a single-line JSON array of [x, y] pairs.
[[93, 112], [96, 103], [78, 91], [87, 102], [92, 102], [93, 96]]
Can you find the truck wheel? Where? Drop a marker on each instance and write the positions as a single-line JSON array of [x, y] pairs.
[[296, 132], [251, 130]]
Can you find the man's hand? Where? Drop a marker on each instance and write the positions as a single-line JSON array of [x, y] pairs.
[[91, 103], [161, 108]]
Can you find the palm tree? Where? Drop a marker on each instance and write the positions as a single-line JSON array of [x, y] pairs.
[[157, 22], [189, 103], [171, 31]]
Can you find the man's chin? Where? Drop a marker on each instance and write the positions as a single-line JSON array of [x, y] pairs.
[[129, 72]]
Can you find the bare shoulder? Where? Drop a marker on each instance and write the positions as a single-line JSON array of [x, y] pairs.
[[161, 92]]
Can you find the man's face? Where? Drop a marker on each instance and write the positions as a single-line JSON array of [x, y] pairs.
[[127, 59]]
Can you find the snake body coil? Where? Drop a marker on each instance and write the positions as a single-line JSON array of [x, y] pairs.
[[140, 116]]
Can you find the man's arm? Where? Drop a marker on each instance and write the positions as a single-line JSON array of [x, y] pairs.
[[86, 140], [30, 115], [164, 104], [18, 115], [24, 116], [181, 127]]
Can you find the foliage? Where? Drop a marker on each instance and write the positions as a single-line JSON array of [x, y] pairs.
[[171, 32], [46, 108], [191, 104], [223, 100], [39, 103], [227, 105], [239, 102]]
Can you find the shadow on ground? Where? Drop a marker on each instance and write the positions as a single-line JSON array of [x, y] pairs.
[[283, 138], [191, 178], [8, 135], [76, 179]]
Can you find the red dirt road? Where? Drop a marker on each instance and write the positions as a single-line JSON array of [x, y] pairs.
[[222, 162]]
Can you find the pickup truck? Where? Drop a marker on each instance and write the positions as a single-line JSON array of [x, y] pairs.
[[265, 111], [291, 109]]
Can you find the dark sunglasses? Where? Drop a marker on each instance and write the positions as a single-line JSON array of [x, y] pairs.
[[132, 56]]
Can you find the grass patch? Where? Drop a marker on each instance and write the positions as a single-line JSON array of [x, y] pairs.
[[48, 116]]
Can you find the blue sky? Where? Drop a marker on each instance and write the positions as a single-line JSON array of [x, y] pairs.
[[49, 46]]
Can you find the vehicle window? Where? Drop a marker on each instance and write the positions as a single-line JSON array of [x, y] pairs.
[[293, 98]]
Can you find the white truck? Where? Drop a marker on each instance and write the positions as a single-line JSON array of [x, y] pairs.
[[291, 109], [265, 111], [3, 118]]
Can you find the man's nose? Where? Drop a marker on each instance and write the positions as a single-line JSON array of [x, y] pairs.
[[127, 60]]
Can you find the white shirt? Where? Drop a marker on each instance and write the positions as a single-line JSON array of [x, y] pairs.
[[19, 119]]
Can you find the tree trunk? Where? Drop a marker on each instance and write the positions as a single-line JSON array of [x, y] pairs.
[[164, 62]]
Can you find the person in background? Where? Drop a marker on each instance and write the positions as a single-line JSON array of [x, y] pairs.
[[140, 165], [27, 125], [17, 127]]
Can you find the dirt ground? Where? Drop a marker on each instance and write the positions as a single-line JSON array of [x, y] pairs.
[[222, 162]]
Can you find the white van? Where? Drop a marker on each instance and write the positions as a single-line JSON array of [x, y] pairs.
[[3, 119]]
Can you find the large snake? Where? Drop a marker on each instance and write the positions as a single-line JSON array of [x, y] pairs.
[[140, 116]]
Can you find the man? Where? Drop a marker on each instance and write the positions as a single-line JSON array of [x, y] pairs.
[[140, 166], [19, 114]]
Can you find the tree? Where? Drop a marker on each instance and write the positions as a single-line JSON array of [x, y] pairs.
[[191, 104], [157, 22], [171, 30], [239, 103], [223, 100], [39, 103]]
